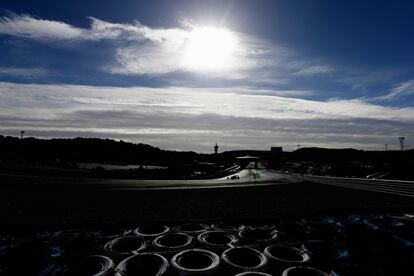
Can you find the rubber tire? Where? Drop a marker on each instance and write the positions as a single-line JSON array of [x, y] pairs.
[[252, 273], [191, 228], [158, 241], [202, 238], [162, 229], [232, 267], [279, 262], [110, 245], [247, 235], [324, 245], [104, 263], [143, 259], [228, 227], [211, 269], [305, 256], [305, 269]]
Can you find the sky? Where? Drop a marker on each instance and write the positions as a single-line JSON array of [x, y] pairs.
[[184, 75]]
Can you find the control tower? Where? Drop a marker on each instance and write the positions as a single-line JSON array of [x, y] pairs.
[[216, 148], [402, 139]]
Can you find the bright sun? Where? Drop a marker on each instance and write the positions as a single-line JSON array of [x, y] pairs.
[[210, 49]]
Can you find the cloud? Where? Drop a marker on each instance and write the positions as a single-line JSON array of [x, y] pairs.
[[368, 76], [191, 118], [402, 89], [136, 32], [40, 29], [164, 52], [140, 49], [23, 72], [315, 70]]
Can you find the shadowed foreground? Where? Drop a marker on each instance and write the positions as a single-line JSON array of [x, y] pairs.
[[31, 207]]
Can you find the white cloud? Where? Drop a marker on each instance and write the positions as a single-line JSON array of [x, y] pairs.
[[402, 89], [36, 28], [240, 102], [142, 49], [315, 70], [41, 29], [368, 77], [164, 52], [23, 72], [191, 118], [137, 32], [137, 60]]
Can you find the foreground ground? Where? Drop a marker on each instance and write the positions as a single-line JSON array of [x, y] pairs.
[[377, 244], [55, 226]]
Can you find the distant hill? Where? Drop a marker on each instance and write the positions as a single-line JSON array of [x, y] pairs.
[[88, 150], [66, 153]]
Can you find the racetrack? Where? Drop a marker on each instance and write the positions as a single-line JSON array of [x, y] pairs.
[[36, 201], [396, 187], [41, 183]]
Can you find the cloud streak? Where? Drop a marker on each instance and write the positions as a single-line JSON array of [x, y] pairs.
[[402, 89], [315, 70], [171, 117], [40, 29], [23, 72]]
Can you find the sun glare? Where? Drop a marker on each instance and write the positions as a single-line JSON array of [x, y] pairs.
[[210, 49]]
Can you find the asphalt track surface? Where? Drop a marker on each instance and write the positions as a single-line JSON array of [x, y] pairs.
[[41, 183], [395, 187], [41, 201]]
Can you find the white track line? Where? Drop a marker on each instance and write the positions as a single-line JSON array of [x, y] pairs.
[[373, 189]]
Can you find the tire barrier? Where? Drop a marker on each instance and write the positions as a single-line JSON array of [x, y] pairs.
[[173, 241], [111, 234], [191, 228], [292, 231], [319, 230], [71, 243], [217, 238], [352, 244], [93, 265], [323, 253], [149, 264], [304, 271], [254, 236], [127, 245], [352, 269], [253, 274], [28, 257], [228, 226], [262, 226], [195, 262], [282, 257], [243, 259], [151, 231]]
